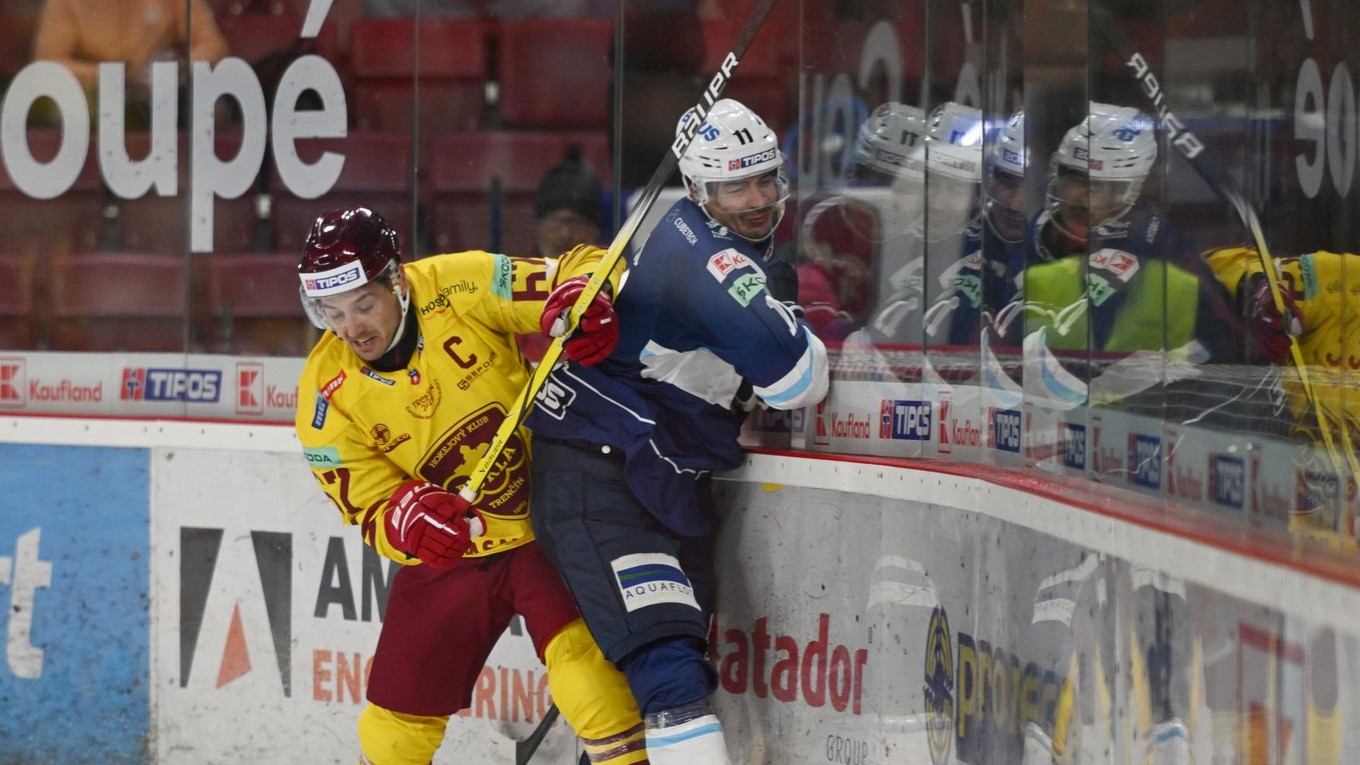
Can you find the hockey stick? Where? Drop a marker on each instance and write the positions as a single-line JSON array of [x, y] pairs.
[[525, 749], [650, 192], [1218, 179]]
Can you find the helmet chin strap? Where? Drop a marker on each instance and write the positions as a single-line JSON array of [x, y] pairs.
[[404, 299]]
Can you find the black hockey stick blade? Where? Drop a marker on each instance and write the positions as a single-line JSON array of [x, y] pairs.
[[525, 749]]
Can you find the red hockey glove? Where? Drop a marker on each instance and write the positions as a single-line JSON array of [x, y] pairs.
[[1270, 331], [431, 524], [596, 335]]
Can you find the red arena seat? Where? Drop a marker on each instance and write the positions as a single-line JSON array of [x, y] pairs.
[[377, 174], [153, 223], [72, 221], [253, 36], [254, 305], [758, 82], [554, 73], [462, 167], [448, 76], [18, 324], [118, 301]]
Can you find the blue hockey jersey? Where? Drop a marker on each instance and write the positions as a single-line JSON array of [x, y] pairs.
[[1144, 234], [696, 317]]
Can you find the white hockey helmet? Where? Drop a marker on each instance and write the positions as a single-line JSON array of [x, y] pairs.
[[953, 161], [1003, 200], [1113, 143], [954, 142], [1115, 148], [1009, 152], [887, 142], [732, 143]]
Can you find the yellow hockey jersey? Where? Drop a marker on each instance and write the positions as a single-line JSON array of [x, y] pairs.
[[1326, 288], [365, 432]]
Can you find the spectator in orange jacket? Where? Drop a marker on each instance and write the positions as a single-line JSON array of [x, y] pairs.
[[82, 34]]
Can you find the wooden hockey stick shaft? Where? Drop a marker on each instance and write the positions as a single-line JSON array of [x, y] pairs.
[[650, 192]]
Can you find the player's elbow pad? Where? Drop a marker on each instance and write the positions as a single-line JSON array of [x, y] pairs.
[[805, 384]]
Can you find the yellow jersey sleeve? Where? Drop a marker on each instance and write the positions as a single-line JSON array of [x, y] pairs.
[[358, 478]]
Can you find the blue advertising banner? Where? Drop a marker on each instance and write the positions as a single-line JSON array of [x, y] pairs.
[[74, 600]]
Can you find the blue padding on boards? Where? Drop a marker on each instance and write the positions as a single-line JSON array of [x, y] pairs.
[[74, 599]]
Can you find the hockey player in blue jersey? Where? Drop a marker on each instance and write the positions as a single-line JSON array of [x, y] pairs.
[[624, 450], [987, 279], [923, 277], [1106, 272], [1107, 275]]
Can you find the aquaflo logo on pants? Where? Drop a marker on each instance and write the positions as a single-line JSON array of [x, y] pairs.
[[648, 579]]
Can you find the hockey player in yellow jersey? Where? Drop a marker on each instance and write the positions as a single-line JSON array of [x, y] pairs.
[[396, 403], [1321, 293]]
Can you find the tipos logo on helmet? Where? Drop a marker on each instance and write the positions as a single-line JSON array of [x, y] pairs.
[[337, 280]]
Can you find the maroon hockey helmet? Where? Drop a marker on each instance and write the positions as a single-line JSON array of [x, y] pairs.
[[346, 249]]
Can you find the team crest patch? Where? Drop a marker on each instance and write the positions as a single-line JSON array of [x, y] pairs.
[[424, 406], [649, 579]]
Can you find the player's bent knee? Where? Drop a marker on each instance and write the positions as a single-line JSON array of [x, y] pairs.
[[593, 696], [393, 738], [670, 673]]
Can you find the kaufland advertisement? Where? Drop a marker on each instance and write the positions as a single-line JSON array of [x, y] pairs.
[[150, 385]]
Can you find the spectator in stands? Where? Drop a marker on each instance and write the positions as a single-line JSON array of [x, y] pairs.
[[568, 206], [568, 210], [82, 34]]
